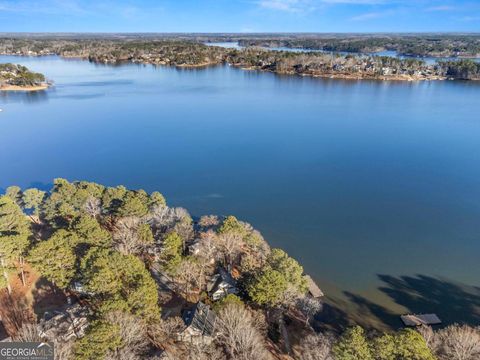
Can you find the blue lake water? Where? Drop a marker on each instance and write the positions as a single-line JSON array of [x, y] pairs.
[[373, 186]]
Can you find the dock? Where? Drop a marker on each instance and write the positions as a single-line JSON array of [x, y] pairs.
[[313, 288], [420, 319]]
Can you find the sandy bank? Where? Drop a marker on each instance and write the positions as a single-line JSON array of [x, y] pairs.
[[24, 88]]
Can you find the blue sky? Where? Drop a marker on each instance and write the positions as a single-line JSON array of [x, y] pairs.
[[239, 15]]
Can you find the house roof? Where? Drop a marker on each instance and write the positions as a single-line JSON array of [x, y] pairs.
[[67, 323], [222, 276], [421, 319], [201, 318]]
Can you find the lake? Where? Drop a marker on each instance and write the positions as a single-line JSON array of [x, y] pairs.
[[373, 186]]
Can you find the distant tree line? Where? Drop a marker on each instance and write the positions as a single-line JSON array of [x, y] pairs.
[[413, 45], [178, 52]]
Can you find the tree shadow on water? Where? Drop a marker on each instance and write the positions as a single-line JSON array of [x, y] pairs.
[[373, 315], [421, 294], [453, 303]]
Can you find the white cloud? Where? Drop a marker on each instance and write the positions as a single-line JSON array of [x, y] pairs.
[[367, 16], [441, 8], [309, 5], [284, 5]]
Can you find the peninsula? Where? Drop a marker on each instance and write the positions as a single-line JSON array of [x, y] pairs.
[[19, 78], [112, 273]]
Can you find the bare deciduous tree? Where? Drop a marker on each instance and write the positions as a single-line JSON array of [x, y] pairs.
[[64, 350], [230, 245], [164, 218], [126, 236], [315, 347], [15, 312], [165, 331], [238, 335], [133, 333], [208, 222], [188, 276], [431, 338], [93, 206], [28, 333], [459, 342], [309, 307], [205, 352]]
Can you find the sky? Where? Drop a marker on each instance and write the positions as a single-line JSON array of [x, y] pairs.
[[242, 16]]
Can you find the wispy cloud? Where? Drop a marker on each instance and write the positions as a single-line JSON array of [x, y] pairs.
[[368, 16], [284, 5], [355, 2], [306, 5], [441, 8], [78, 8], [470, 19], [43, 7]]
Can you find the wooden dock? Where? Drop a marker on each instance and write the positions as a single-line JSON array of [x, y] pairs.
[[313, 288], [421, 319]]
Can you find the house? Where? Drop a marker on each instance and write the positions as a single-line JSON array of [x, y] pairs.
[[200, 324], [221, 284], [194, 247], [65, 325], [313, 289], [78, 289]]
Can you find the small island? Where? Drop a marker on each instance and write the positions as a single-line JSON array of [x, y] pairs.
[[19, 78]]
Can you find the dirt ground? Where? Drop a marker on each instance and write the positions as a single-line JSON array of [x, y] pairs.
[[27, 303]]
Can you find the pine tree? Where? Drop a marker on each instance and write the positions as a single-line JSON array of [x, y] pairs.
[[90, 232], [268, 288], [352, 345], [120, 282], [14, 234], [410, 345], [55, 258], [32, 199], [171, 255]]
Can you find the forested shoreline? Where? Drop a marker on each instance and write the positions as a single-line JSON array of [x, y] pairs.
[[431, 45], [142, 280], [189, 53]]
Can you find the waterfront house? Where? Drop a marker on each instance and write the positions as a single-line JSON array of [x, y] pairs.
[[65, 325], [200, 324], [221, 284]]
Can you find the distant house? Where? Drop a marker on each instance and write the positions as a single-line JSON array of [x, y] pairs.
[[200, 324], [78, 288], [221, 284], [65, 325], [313, 289], [194, 247]]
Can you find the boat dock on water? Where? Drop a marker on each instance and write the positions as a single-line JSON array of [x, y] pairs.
[[421, 319]]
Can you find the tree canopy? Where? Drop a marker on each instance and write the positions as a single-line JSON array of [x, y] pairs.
[[14, 230], [121, 282], [55, 259]]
